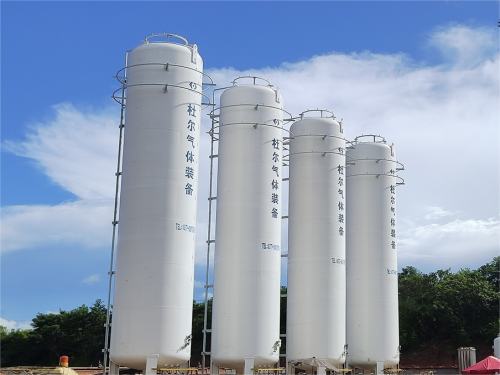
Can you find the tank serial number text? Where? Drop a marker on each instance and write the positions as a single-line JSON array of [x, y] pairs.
[[270, 246], [184, 227], [392, 272], [338, 261]]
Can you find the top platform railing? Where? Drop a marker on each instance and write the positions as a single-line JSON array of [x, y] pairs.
[[168, 36], [255, 78], [321, 111], [375, 137]]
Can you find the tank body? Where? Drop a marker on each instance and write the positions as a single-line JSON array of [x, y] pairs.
[[372, 278], [316, 242], [496, 346], [247, 256], [153, 296]]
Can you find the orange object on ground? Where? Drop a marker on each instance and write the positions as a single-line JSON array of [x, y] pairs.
[[63, 361]]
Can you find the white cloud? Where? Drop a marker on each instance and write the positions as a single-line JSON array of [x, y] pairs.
[[465, 47], [199, 284], [209, 295], [437, 213], [92, 279], [77, 150], [12, 324], [201, 295], [84, 223], [458, 244]]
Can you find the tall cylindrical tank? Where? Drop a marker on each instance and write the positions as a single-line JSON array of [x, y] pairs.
[[316, 241], [247, 256], [371, 254], [153, 295], [496, 346]]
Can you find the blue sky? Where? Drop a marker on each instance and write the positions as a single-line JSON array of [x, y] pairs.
[[423, 74]]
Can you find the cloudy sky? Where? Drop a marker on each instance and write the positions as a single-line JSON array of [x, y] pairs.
[[423, 74]]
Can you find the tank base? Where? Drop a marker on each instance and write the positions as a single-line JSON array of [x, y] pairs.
[[214, 369], [151, 363], [249, 365], [114, 369]]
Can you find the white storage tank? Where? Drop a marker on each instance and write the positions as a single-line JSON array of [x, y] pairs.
[[247, 256], [496, 346], [153, 297], [372, 276], [316, 293]]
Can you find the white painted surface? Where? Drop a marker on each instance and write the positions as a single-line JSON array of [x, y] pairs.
[[372, 280], [380, 368], [151, 363], [316, 294], [246, 301], [249, 366], [496, 347], [153, 296], [114, 369]]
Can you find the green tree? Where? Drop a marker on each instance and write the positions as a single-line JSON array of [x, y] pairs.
[[416, 296], [19, 347], [77, 333], [449, 309], [466, 305], [491, 271]]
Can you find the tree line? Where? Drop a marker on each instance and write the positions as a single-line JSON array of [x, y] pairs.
[[78, 334], [439, 308], [448, 309]]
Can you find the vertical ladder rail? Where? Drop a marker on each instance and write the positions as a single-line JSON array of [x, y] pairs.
[[212, 156], [205, 316], [118, 174], [209, 233]]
